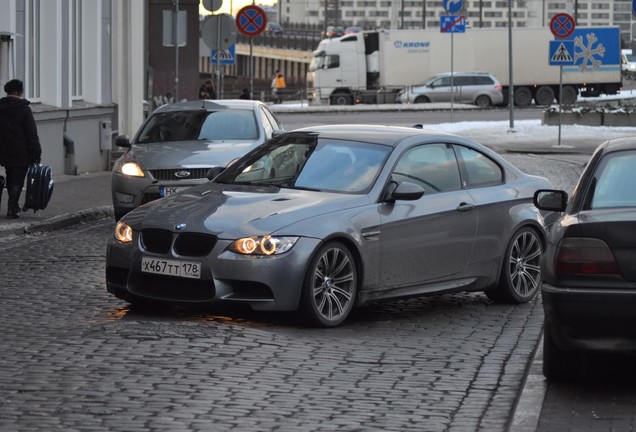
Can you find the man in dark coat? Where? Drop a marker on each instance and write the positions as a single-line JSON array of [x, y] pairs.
[[19, 142]]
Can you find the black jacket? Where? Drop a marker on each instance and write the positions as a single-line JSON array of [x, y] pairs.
[[19, 142]]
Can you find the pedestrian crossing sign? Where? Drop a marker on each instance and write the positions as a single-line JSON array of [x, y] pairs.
[[561, 52], [225, 57]]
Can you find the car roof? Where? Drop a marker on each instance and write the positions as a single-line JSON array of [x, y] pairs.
[[387, 135], [210, 105], [618, 144]]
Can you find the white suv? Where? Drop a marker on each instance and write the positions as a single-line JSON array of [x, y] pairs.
[[479, 88]]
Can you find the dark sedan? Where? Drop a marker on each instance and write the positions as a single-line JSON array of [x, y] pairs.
[[589, 268], [322, 219]]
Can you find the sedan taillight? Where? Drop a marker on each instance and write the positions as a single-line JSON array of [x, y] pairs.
[[585, 256]]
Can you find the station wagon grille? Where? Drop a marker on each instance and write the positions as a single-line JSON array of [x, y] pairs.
[[170, 174]]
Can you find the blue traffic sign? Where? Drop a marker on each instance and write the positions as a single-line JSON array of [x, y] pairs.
[[452, 24], [596, 48], [561, 52], [453, 6], [634, 8], [226, 57]]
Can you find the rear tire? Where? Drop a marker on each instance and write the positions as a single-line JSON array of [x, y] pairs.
[[483, 101], [520, 277], [544, 95], [568, 95], [523, 96], [330, 286]]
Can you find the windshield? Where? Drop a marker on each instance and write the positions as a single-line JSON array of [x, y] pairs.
[[302, 162], [194, 125], [317, 62]]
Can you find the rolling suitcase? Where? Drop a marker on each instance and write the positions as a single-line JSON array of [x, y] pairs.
[[39, 187]]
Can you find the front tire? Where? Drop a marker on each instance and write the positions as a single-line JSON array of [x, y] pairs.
[[330, 286], [421, 99], [520, 276]]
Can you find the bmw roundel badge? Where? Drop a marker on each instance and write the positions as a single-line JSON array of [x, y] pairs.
[[180, 227]]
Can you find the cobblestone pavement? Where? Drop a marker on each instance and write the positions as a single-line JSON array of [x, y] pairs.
[[76, 358]]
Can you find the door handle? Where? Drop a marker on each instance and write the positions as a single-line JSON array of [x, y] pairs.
[[464, 207]]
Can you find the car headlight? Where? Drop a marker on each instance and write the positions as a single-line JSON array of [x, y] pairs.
[[123, 232], [131, 169], [266, 245]]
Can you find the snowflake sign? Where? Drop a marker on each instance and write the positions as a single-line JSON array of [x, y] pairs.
[[590, 54]]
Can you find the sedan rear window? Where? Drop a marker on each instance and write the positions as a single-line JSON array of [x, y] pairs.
[[613, 182], [199, 125]]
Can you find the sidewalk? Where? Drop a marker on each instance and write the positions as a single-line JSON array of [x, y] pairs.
[[75, 199]]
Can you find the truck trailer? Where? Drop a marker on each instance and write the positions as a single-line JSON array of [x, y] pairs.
[[372, 66]]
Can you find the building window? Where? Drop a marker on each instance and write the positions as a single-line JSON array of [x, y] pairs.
[[33, 50], [76, 49]]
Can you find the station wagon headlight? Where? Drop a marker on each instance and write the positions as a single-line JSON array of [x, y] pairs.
[[266, 245], [132, 169], [123, 232]]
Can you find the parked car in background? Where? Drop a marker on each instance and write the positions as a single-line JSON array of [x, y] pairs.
[[589, 267], [628, 63], [324, 218], [273, 28], [177, 145], [332, 32], [353, 29], [479, 88]]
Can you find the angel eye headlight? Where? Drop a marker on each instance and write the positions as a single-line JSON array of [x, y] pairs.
[[123, 232], [266, 245]]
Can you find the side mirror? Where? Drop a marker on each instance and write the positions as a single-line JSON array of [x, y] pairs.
[[407, 191], [122, 141], [550, 200], [214, 172]]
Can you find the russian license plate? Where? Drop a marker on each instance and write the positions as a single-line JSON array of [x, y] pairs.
[[165, 191], [186, 269]]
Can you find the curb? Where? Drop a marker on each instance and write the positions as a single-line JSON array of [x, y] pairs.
[[58, 222]]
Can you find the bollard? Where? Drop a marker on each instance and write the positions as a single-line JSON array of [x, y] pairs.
[[69, 156]]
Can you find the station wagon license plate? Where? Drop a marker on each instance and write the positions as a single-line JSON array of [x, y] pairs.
[[165, 191], [186, 269]]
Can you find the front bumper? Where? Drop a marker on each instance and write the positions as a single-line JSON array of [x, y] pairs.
[[271, 283], [585, 319]]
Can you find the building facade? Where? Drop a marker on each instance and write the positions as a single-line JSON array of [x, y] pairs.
[[83, 67], [372, 14]]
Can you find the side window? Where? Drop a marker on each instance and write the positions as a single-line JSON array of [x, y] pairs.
[[442, 82], [462, 81], [332, 61], [483, 80], [480, 169], [431, 166]]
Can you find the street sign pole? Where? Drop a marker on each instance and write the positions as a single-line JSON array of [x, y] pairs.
[[562, 26], [452, 77], [560, 101]]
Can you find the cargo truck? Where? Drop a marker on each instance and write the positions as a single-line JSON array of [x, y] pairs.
[[372, 66]]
